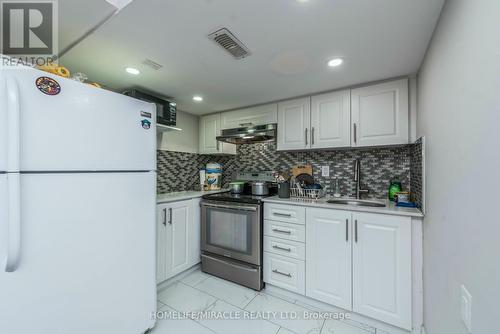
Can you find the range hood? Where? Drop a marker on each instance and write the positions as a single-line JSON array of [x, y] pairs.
[[252, 134]]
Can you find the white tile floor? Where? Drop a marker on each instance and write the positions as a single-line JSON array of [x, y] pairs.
[[199, 292]]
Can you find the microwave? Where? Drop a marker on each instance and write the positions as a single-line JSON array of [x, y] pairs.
[[166, 111]]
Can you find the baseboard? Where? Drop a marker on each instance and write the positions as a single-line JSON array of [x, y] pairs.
[[165, 284]]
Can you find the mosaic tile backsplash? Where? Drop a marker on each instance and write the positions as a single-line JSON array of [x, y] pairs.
[[179, 171], [416, 175]]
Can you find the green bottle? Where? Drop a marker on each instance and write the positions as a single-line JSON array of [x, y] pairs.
[[394, 187]]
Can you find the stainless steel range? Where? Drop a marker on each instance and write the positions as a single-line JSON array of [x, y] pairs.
[[231, 233]]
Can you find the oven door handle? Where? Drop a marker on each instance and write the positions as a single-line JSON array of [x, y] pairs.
[[230, 207]]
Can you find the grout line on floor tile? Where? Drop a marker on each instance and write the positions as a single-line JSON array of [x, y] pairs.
[[262, 292], [195, 285], [251, 300], [322, 326], [225, 301]]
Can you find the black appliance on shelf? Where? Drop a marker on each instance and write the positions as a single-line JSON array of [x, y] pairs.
[[166, 111]]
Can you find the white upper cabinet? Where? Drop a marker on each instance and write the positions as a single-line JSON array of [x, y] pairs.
[[380, 114], [259, 115], [382, 268], [209, 129], [294, 120], [331, 120], [375, 115], [328, 256]]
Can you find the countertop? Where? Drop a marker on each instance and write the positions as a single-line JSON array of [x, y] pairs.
[[390, 207], [184, 195]]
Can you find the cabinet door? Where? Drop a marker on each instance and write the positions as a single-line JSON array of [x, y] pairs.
[[194, 242], [294, 118], [179, 223], [382, 268], [380, 114], [331, 120], [328, 256], [161, 242], [265, 114], [209, 130]]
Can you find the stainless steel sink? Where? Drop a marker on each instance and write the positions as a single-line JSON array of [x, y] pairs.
[[357, 202]]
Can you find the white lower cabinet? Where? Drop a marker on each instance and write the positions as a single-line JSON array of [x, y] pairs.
[[178, 241], [382, 268], [328, 259], [284, 272], [286, 231], [194, 249], [360, 262], [294, 249], [284, 247], [161, 242]]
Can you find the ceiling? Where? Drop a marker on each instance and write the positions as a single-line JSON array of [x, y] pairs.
[[290, 42]]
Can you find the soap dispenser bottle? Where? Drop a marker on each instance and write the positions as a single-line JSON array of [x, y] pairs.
[[336, 192]]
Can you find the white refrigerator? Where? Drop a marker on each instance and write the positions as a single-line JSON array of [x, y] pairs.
[[77, 207]]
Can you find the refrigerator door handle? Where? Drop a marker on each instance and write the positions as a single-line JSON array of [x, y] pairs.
[[14, 222], [13, 125]]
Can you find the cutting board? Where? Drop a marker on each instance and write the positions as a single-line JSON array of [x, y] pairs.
[[305, 169]]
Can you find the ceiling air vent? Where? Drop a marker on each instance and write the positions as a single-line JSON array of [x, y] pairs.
[[154, 65], [230, 43]]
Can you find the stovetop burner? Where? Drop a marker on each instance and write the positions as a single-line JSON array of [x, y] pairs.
[[240, 198], [246, 196]]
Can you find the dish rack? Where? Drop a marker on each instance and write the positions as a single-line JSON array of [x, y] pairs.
[[307, 193]]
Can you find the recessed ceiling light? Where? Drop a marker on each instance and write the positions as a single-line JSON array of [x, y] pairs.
[[302, 1], [335, 62], [131, 70], [197, 98]]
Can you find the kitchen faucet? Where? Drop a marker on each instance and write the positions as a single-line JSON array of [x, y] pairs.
[[357, 179]]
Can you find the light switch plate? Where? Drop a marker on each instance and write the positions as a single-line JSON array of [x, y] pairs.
[[325, 171], [466, 307]]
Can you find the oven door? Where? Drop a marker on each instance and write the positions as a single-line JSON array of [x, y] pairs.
[[232, 230]]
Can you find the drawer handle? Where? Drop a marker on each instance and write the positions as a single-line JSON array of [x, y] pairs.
[[356, 230], [281, 231], [282, 248], [276, 271], [282, 214]]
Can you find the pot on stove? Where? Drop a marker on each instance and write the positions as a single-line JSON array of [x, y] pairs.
[[260, 188]]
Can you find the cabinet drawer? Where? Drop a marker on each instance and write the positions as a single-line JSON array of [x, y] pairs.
[[285, 213], [294, 249], [284, 230], [284, 272]]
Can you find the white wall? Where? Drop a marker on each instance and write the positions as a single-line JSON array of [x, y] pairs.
[[181, 141], [459, 113]]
